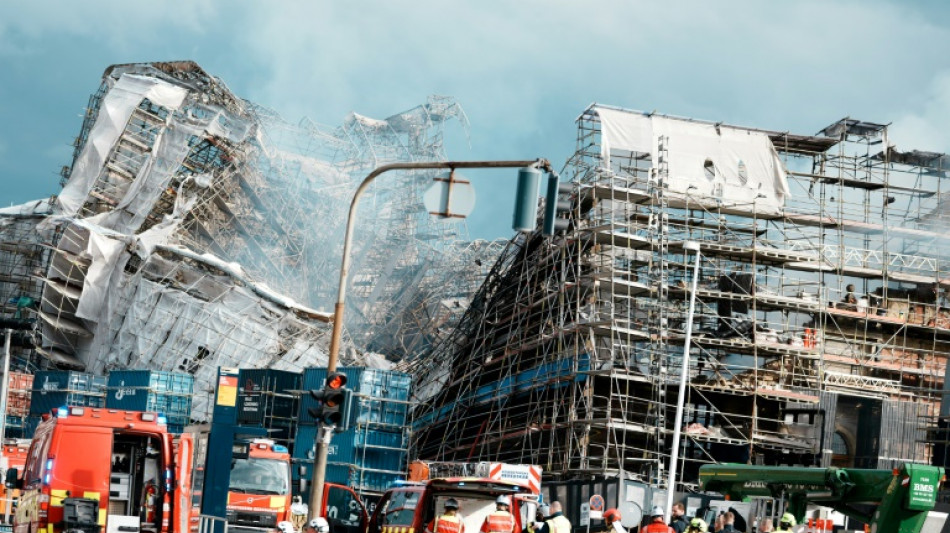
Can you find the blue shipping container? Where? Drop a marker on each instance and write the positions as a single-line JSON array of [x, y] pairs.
[[29, 426], [53, 380], [42, 401], [132, 399], [304, 441], [264, 394], [167, 382]]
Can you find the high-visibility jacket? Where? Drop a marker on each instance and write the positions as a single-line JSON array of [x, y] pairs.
[[499, 522], [657, 527], [447, 524], [558, 524]]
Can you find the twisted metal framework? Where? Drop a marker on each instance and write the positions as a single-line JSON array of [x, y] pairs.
[[199, 204]]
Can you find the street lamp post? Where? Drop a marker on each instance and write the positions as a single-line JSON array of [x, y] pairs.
[[684, 373], [326, 432]]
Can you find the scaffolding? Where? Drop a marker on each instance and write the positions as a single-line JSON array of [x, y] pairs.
[[24, 252], [821, 327], [196, 229]]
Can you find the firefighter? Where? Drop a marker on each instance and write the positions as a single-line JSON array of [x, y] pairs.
[[450, 521], [500, 520], [657, 522], [298, 513], [697, 525], [612, 517], [786, 523], [542, 514]]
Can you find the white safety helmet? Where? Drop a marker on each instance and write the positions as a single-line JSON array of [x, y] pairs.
[[656, 511], [285, 527], [320, 524], [503, 500]]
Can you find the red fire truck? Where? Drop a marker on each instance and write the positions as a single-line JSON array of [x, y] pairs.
[[89, 468]]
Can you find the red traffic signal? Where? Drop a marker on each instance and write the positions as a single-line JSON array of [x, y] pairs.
[[334, 404], [336, 380]]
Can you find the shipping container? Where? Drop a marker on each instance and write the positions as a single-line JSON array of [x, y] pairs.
[[18, 403], [265, 397], [58, 380], [168, 382], [360, 481], [21, 382], [43, 401], [304, 441], [29, 426]]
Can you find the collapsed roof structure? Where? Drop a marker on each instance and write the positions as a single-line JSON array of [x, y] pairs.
[[821, 330], [196, 230]]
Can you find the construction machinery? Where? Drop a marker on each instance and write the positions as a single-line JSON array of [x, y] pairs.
[[893, 501]]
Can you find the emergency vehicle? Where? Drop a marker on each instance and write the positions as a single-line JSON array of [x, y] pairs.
[[14, 456], [259, 492], [410, 507], [89, 468]]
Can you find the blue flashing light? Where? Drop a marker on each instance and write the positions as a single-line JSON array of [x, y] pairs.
[[168, 480], [62, 412], [280, 448], [49, 471], [162, 420]]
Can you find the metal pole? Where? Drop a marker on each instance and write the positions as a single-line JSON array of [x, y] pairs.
[[684, 373], [5, 387], [323, 441]]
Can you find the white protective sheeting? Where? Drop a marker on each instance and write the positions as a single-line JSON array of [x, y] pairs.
[[33, 208], [106, 254], [732, 166], [114, 113]]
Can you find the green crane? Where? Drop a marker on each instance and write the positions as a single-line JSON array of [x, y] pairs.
[[901, 496]]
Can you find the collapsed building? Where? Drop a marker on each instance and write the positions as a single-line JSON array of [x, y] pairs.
[[195, 230], [821, 327]]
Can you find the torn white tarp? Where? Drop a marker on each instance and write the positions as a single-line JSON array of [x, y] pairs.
[[114, 113], [106, 255], [734, 166]]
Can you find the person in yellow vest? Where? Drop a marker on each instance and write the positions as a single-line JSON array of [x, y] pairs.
[[786, 523], [544, 510], [556, 522], [450, 521], [500, 520]]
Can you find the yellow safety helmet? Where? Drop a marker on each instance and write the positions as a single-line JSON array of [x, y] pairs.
[[789, 518], [698, 524]]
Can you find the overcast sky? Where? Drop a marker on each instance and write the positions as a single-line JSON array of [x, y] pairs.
[[522, 70]]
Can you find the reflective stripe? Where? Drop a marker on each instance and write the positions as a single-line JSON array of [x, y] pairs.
[[499, 522], [448, 524], [56, 497], [559, 524]]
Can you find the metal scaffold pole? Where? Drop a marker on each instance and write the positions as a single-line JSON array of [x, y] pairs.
[[684, 376]]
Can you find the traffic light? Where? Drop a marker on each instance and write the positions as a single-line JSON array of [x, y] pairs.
[[334, 401], [526, 200], [554, 207]]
